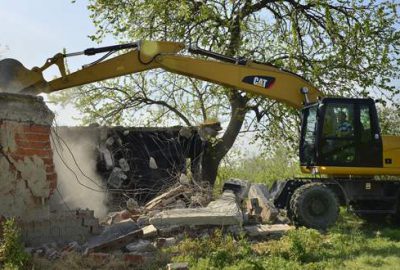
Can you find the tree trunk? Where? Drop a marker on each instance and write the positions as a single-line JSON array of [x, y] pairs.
[[214, 153]]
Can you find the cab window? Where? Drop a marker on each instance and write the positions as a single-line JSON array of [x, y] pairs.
[[338, 141]]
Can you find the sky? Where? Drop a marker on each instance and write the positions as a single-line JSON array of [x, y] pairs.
[[33, 30]]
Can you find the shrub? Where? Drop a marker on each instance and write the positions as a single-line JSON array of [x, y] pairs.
[[12, 252]]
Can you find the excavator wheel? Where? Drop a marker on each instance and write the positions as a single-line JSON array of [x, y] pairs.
[[315, 206]]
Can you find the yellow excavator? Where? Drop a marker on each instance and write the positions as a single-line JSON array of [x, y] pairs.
[[341, 145]]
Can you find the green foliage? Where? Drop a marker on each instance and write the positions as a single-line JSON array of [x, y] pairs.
[[216, 251], [12, 253], [266, 169], [389, 117], [303, 245]]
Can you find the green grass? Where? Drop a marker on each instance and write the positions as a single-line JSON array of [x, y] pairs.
[[351, 244]]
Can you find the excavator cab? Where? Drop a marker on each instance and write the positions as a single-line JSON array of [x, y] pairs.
[[340, 136]]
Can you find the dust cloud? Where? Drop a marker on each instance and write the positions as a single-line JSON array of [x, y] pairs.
[[78, 186]]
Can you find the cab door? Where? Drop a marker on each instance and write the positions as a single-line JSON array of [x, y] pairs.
[[349, 135], [370, 140]]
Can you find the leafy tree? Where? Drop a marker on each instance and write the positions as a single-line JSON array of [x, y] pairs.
[[389, 120], [345, 47]]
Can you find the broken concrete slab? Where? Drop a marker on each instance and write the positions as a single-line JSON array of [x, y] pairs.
[[267, 231], [115, 236], [259, 205], [169, 230], [224, 211], [238, 186], [161, 200], [115, 242]]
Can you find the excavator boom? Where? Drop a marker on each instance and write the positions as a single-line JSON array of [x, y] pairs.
[[251, 77]]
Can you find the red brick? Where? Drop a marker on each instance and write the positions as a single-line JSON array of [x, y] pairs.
[[52, 177], [33, 137], [53, 185], [32, 152], [48, 161], [36, 129], [100, 257], [133, 259], [50, 169], [34, 145]]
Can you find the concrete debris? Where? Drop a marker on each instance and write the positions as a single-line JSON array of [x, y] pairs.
[[238, 186], [152, 163], [114, 243], [132, 204], [178, 197], [124, 165], [110, 141], [71, 247], [267, 231], [111, 234], [106, 156], [259, 206], [170, 230], [149, 231], [142, 221], [184, 179], [224, 211], [140, 246], [166, 242], [178, 266], [116, 178]]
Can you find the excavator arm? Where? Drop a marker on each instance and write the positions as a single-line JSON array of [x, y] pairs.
[[251, 77]]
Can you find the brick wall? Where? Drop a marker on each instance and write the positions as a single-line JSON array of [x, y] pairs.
[[27, 173], [32, 140]]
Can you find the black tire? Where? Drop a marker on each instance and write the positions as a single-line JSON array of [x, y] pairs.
[[315, 206]]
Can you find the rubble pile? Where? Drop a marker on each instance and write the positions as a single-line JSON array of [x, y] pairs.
[[177, 197], [138, 162], [137, 233]]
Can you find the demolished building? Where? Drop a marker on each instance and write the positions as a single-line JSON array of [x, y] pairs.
[[137, 162], [131, 162]]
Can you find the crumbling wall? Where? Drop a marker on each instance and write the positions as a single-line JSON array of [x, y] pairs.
[[138, 162], [27, 175]]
